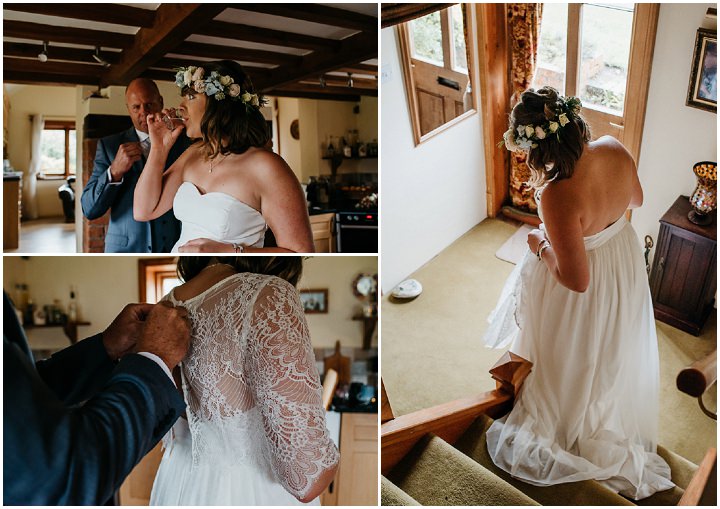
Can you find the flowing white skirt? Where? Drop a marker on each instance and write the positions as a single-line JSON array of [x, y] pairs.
[[589, 408], [216, 480]]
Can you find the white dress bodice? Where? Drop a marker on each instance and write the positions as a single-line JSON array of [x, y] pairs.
[[216, 216]]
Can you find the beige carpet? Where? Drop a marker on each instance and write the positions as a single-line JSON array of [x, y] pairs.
[[432, 350]]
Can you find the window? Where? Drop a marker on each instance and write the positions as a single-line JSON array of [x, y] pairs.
[[58, 149], [157, 277], [436, 69], [584, 50]]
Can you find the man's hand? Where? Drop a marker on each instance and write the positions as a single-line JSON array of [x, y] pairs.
[[124, 332], [204, 245], [166, 334], [126, 156]]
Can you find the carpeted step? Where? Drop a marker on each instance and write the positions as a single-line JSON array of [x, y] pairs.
[[589, 492], [435, 473], [392, 495]]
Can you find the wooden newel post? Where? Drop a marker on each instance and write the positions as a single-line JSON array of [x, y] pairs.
[[509, 373]]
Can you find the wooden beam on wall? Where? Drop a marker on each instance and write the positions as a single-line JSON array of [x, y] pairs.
[[20, 49], [315, 13], [49, 67], [329, 90], [115, 14], [173, 24], [33, 78], [495, 96]]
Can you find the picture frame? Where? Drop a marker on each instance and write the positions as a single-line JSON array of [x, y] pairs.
[[702, 89], [314, 300]]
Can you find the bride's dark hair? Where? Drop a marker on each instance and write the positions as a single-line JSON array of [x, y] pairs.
[[288, 268], [555, 156], [242, 125]]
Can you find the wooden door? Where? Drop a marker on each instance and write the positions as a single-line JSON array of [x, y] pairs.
[[358, 472], [138, 485]]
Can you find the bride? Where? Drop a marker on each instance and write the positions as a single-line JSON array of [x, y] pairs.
[[255, 431], [578, 306], [226, 189]]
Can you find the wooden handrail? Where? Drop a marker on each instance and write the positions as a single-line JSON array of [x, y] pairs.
[[704, 478], [447, 420], [701, 374]]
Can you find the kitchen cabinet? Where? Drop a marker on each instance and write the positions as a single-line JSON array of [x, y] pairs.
[[356, 481], [683, 278], [322, 226]]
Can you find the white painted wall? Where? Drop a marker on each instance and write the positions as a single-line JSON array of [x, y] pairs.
[[430, 194], [105, 284], [675, 136]]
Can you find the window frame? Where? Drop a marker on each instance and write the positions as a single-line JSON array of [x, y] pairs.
[[406, 55], [152, 272], [66, 126]]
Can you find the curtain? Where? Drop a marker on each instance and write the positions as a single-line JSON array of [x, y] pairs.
[[524, 29], [29, 198]]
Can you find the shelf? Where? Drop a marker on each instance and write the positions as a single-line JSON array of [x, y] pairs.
[[70, 329]]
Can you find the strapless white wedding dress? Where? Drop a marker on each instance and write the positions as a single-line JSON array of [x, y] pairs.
[[216, 216], [255, 432], [589, 408]]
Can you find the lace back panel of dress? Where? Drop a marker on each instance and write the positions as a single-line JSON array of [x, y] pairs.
[[251, 384]]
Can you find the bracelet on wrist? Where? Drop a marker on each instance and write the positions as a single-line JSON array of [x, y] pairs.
[[542, 245], [543, 248]]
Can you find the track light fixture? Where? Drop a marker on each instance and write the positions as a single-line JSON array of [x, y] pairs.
[[99, 59], [323, 83], [350, 80], [43, 55]]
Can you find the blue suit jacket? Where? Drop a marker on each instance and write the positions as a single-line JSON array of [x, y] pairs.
[[58, 450], [124, 234]]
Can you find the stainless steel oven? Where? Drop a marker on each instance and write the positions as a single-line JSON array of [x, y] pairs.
[[357, 232]]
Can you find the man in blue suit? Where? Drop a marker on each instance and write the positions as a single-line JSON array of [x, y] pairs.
[[119, 160], [75, 425]]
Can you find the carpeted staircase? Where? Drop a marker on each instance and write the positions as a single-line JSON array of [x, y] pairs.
[[437, 473]]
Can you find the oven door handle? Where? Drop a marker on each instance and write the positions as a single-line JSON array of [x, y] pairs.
[[355, 227]]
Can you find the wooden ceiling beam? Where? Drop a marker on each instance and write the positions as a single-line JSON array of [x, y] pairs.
[[355, 49], [393, 14], [217, 52], [339, 81], [19, 49], [371, 70], [313, 94], [115, 14], [34, 78], [50, 67], [315, 13], [298, 88], [36, 31], [173, 63], [173, 24], [266, 36]]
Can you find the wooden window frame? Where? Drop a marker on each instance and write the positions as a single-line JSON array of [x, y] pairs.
[[494, 70], [152, 272], [60, 125], [404, 38]]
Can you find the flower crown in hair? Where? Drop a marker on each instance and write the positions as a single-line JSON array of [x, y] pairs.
[[219, 87], [524, 137]]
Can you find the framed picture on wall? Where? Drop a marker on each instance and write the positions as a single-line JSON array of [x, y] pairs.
[[702, 89], [314, 301]]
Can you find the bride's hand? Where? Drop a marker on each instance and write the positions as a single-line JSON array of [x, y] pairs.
[[534, 238], [160, 135], [206, 246]]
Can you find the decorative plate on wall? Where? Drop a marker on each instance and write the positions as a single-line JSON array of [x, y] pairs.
[[295, 129]]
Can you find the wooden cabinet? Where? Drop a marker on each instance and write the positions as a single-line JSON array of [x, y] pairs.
[[322, 226], [683, 278], [356, 482], [12, 185]]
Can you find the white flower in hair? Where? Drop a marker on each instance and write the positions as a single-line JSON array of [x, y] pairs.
[[187, 77], [234, 90], [255, 101], [539, 133], [554, 126], [199, 87], [525, 144], [563, 119], [509, 138], [521, 130], [226, 80], [529, 131], [246, 97]]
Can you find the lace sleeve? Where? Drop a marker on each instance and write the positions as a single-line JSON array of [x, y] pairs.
[[286, 386]]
